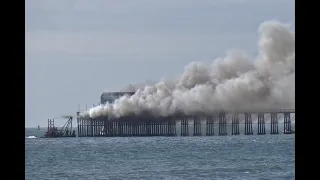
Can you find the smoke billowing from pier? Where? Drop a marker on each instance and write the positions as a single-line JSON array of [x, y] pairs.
[[234, 82]]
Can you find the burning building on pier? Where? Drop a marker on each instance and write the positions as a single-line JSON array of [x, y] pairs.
[[260, 89]]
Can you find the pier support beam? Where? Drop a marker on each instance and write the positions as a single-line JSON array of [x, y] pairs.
[[96, 132], [125, 128], [196, 126], [119, 130], [235, 124], [110, 127], [261, 124], [78, 127], [154, 127], [148, 129], [287, 124], [88, 128], [91, 127], [139, 128], [82, 128], [94, 124], [164, 126], [128, 127], [172, 127], [134, 126], [248, 124], [106, 123], [274, 123], [131, 125], [145, 127], [95, 128], [184, 126], [222, 124], [168, 126], [210, 126], [160, 127], [85, 128]]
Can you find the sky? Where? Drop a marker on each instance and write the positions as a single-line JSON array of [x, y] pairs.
[[77, 49]]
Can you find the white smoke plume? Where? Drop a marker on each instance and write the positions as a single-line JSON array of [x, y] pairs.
[[135, 87], [235, 82]]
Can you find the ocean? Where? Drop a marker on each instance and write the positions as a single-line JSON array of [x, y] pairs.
[[168, 158]]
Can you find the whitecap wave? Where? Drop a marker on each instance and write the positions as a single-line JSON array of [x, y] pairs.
[[31, 137]]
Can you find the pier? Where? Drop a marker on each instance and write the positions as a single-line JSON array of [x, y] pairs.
[[223, 123]]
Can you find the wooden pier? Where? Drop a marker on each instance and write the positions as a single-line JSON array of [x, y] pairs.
[[219, 123]]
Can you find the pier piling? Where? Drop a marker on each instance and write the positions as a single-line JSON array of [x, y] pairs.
[[248, 124], [210, 125], [196, 126], [274, 123], [287, 124], [261, 124], [235, 124], [184, 126], [222, 124]]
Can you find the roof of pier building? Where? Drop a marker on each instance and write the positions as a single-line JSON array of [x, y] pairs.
[[111, 96]]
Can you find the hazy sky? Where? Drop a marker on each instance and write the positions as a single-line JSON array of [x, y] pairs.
[[76, 49]]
